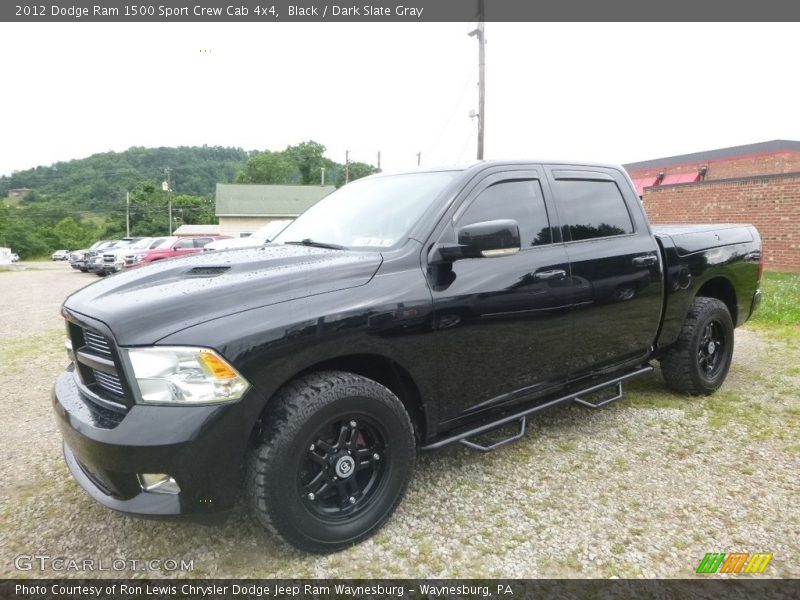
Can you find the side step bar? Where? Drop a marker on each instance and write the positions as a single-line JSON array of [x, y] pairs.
[[521, 417]]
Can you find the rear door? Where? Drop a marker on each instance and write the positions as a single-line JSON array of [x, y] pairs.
[[501, 322], [616, 272]]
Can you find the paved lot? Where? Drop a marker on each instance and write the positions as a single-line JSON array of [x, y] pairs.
[[643, 488]]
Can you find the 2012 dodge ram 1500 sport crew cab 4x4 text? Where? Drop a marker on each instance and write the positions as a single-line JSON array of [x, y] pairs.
[[401, 312]]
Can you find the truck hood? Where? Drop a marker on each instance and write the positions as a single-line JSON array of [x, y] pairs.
[[144, 305]]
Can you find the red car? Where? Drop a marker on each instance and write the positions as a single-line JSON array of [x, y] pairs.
[[172, 247]]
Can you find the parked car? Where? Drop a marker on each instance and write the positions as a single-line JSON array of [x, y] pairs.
[[79, 258], [60, 255], [114, 258], [14, 257], [96, 262], [172, 247], [259, 237], [400, 313]]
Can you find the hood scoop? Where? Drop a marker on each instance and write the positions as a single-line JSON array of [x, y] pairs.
[[206, 271]]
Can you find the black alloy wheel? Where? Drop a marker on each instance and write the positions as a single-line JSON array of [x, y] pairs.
[[698, 361], [343, 470], [332, 462], [710, 355]]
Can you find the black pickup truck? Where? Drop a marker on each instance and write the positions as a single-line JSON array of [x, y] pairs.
[[400, 313]]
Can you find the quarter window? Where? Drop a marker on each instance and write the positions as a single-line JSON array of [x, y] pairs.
[[591, 209], [519, 200]]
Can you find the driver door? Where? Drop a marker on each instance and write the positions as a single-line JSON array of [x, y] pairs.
[[502, 324]]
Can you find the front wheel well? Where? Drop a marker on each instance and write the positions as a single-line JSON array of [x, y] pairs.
[[386, 372], [722, 289]]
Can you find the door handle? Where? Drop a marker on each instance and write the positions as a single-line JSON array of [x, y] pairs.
[[645, 261], [547, 275]]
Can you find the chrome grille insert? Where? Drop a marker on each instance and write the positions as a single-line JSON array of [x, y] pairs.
[[108, 382], [96, 343]]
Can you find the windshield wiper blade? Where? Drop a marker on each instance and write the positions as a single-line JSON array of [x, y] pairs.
[[310, 242]]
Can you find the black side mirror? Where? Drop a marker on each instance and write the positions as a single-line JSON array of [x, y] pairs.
[[484, 239]]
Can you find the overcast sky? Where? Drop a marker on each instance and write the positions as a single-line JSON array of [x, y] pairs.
[[607, 92]]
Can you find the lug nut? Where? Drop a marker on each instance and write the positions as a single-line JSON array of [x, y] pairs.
[[353, 424], [311, 448], [311, 496], [376, 456], [352, 500]]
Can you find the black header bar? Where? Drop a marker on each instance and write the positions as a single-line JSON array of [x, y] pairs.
[[382, 11]]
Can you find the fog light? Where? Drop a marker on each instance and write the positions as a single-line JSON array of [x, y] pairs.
[[158, 483]]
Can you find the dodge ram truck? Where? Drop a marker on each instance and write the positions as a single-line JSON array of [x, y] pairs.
[[399, 314]]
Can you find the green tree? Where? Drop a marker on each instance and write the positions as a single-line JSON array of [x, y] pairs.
[[69, 234], [193, 210], [308, 156], [357, 171], [267, 167]]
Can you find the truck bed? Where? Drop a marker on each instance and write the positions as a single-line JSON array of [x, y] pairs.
[[689, 239]]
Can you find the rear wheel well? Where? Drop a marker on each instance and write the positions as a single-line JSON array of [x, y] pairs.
[[386, 372], [721, 289]]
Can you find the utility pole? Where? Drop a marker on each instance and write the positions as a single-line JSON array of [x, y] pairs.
[[347, 166], [127, 214], [419, 158], [322, 176], [169, 196], [379, 160], [479, 33]]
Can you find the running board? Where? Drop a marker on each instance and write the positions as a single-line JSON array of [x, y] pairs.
[[521, 417], [602, 403]]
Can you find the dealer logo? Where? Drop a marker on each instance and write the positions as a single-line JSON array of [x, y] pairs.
[[735, 562]]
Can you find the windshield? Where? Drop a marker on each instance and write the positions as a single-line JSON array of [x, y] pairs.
[[143, 243], [270, 230], [375, 213], [166, 243]]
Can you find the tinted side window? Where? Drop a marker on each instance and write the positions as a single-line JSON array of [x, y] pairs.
[[520, 200], [200, 242], [185, 244], [592, 209]]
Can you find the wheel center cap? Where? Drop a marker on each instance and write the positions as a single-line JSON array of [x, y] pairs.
[[345, 466], [711, 347]]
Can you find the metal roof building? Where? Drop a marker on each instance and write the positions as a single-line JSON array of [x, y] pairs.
[[244, 207]]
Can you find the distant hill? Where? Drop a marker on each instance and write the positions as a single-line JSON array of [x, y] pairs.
[[104, 178]]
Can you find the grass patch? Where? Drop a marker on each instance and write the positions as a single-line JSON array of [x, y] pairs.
[[15, 353], [780, 303]]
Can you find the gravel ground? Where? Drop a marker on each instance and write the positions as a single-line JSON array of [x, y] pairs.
[[643, 488]]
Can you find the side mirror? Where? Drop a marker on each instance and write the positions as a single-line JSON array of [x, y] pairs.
[[484, 239], [490, 238]]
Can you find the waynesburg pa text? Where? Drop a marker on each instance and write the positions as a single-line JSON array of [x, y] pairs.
[[259, 591]]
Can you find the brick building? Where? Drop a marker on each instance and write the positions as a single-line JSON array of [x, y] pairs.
[[755, 183]]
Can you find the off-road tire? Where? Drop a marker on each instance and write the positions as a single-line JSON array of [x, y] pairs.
[[293, 418], [682, 365]]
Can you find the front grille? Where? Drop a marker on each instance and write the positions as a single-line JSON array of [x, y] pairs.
[[109, 258], [98, 368], [108, 382], [97, 343]]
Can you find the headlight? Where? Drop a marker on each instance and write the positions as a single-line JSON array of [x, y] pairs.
[[182, 375], [138, 258]]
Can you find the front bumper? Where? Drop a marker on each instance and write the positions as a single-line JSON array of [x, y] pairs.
[[201, 447], [111, 268]]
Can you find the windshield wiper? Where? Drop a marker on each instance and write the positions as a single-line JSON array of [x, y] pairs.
[[310, 242]]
